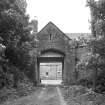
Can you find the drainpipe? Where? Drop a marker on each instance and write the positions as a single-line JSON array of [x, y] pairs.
[[37, 53], [76, 72]]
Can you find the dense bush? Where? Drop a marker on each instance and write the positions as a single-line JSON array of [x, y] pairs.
[[85, 82]]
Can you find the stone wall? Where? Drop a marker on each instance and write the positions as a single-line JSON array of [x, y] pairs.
[[50, 37]]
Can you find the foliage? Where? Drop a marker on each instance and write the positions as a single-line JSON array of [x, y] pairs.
[[98, 43], [15, 35]]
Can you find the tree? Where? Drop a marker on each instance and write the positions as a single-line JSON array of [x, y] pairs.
[[16, 36], [98, 43]]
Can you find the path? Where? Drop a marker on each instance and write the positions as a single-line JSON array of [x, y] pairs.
[[49, 95]]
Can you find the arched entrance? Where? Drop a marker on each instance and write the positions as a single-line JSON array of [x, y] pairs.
[[51, 64], [56, 49]]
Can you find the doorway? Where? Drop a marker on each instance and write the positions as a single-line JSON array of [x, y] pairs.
[[51, 65], [51, 73]]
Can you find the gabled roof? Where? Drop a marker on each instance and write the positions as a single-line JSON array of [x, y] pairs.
[[50, 24], [69, 36]]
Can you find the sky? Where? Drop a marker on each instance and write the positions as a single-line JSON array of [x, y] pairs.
[[71, 16]]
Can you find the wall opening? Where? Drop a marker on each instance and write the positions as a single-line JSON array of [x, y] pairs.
[[51, 73], [51, 67]]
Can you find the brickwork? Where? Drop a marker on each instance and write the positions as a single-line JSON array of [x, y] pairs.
[[50, 37]]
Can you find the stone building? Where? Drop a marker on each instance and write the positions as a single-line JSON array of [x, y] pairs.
[[55, 47]]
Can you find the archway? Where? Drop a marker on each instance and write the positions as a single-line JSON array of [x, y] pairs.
[[53, 40], [51, 63]]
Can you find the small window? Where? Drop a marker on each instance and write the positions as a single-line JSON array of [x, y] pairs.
[[46, 73]]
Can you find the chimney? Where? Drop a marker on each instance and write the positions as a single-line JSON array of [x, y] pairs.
[[34, 25]]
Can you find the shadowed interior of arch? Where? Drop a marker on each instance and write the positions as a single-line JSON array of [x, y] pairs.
[[51, 68]]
